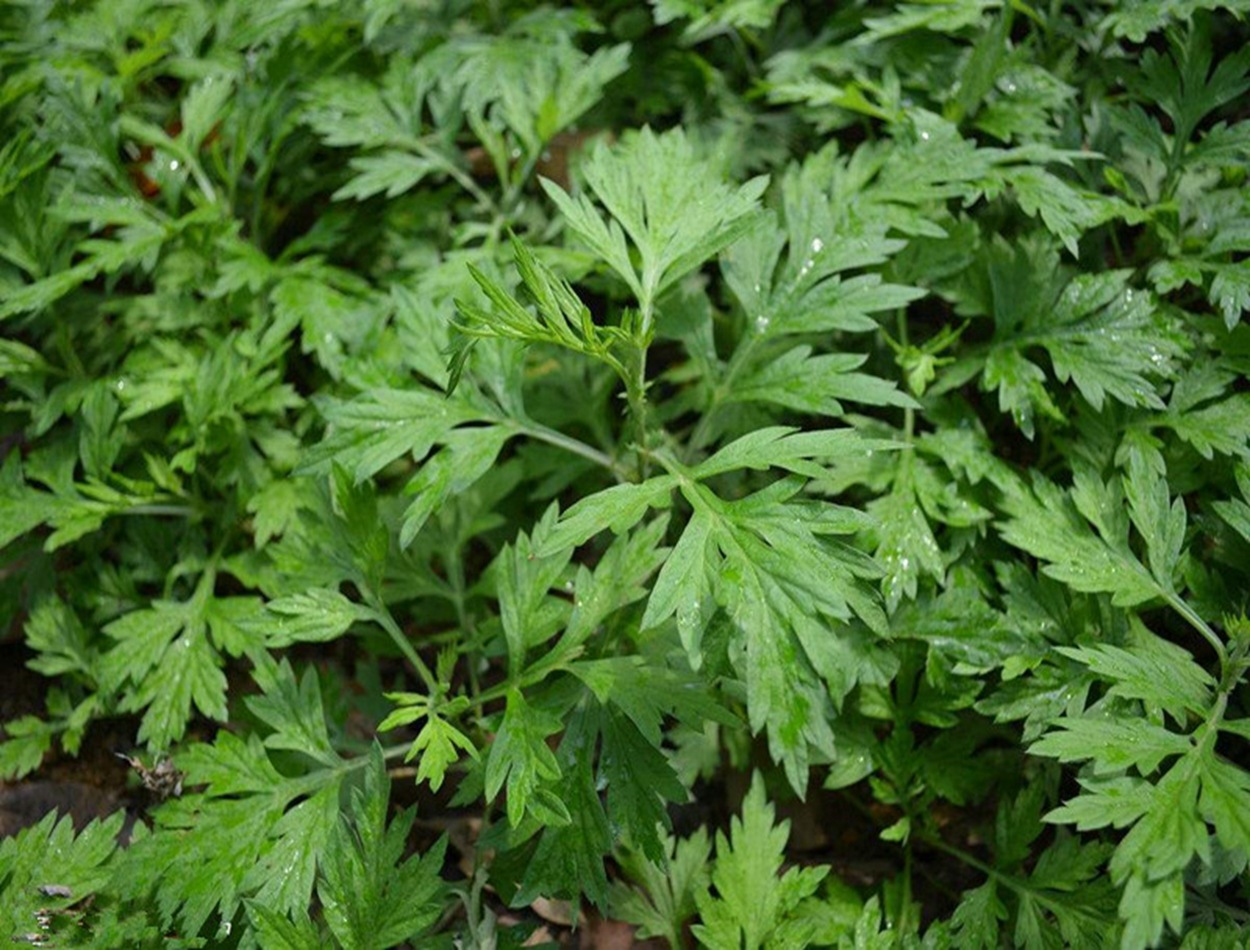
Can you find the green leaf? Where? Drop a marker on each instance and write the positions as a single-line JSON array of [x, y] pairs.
[[163, 663], [618, 580], [295, 714], [787, 448], [1230, 292], [666, 892], [568, 862], [647, 693], [1066, 212], [438, 740], [1224, 803], [284, 933], [520, 757], [523, 580], [670, 203], [1153, 670], [535, 82], [906, 546], [1045, 522], [815, 384], [21, 510], [619, 508], [382, 425], [1161, 524], [978, 917], [783, 585], [252, 831], [437, 744], [389, 173], [1037, 305], [315, 616], [275, 508], [468, 454], [751, 903], [561, 320], [681, 577], [63, 644], [49, 855], [283, 876], [640, 782], [1113, 746], [372, 897], [1222, 427], [27, 740]]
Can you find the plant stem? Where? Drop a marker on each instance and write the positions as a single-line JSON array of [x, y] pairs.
[[554, 437], [636, 394], [172, 511], [909, 414], [1181, 607], [457, 174], [455, 574], [512, 196], [1007, 880], [386, 620]]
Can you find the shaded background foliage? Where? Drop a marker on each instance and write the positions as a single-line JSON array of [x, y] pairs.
[[605, 402]]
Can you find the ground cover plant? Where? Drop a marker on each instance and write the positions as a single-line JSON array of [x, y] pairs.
[[598, 432]]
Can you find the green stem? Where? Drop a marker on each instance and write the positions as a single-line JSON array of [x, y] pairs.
[[1009, 881], [909, 414], [457, 174], [392, 752], [904, 918], [456, 576], [636, 394], [173, 511], [512, 196], [534, 674], [202, 181], [1181, 607], [386, 620], [554, 437]]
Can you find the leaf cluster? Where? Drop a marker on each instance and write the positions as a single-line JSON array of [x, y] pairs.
[[599, 404]]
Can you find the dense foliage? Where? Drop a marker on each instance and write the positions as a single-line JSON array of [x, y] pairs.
[[590, 405]]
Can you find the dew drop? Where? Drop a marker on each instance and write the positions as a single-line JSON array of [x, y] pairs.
[[817, 245], [173, 164], [761, 324], [120, 385], [924, 136]]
